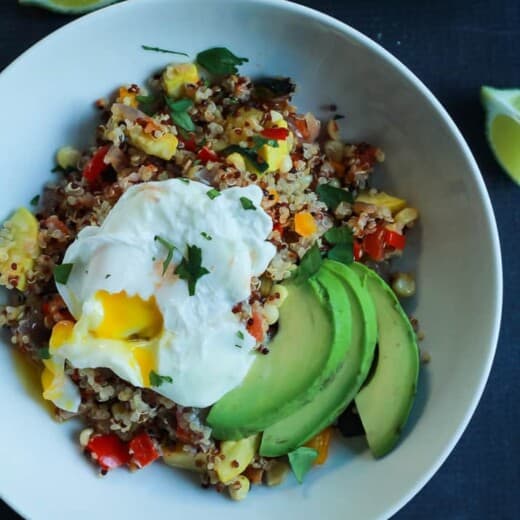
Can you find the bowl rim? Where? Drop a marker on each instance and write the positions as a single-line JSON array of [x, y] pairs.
[[390, 59]]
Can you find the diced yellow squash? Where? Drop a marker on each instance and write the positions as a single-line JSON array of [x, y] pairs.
[[163, 147], [274, 156], [236, 160], [382, 199], [178, 458], [244, 124], [127, 98], [237, 456], [18, 248], [175, 77]]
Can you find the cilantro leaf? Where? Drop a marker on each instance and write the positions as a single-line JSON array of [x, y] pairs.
[[332, 196], [205, 235], [309, 265], [259, 141], [35, 200], [179, 113], [158, 49], [219, 61], [147, 104], [191, 269], [247, 203], [213, 193], [170, 247], [62, 272], [158, 380], [343, 249], [249, 154], [43, 353], [301, 461]]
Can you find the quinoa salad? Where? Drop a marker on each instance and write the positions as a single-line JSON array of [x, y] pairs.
[[211, 283]]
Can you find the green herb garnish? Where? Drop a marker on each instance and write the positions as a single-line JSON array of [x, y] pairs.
[[179, 113], [157, 380], [147, 104], [170, 247], [107, 276], [309, 265], [238, 346], [343, 241], [44, 353], [301, 461], [183, 179], [213, 193], [259, 164], [205, 235], [240, 334], [158, 49], [191, 269], [247, 203], [35, 200], [62, 272], [259, 141], [219, 61], [332, 196]]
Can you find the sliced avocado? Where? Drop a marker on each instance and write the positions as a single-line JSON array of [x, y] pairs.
[[297, 428], [304, 355], [385, 402]]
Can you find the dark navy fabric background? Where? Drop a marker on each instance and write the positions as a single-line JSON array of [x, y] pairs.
[[454, 47]]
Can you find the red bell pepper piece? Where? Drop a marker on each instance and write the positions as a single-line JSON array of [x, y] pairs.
[[108, 450], [206, 155], [142, 450], [394, 239], [374, 246], [280, 134], [189, 144], [96, 166], [358, 250]]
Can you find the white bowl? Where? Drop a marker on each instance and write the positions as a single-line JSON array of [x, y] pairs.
[[48, 98]]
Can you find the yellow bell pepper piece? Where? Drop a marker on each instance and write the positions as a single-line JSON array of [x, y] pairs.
[[382, 199]]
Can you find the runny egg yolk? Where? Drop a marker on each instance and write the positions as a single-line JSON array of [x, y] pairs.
[[126, 317]]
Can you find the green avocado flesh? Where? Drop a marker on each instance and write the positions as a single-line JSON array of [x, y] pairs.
[[304, 354], [297, 428], [384, 403]]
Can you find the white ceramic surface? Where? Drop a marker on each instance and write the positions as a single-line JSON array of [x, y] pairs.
[[50, 92]]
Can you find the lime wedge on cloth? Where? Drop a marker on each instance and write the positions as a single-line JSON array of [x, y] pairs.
[[69, 6], [503, 127]]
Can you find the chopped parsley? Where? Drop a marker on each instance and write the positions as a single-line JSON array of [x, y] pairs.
[[251, 155], [213, 193], [158, 380], [158, 49], [240, 334], [179, 113], [62, 272], [260, 141], [35, 200], [309, 265], [107, 276], [238, 346], [147, 104], [170, 247], [332, 196], [247, 203], [205, 235], [219, 61], [191, 268], [183, 179], [343, 241], [44, 353]]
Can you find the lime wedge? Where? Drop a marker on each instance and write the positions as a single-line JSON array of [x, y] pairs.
[[69, 6], [503, 127]]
